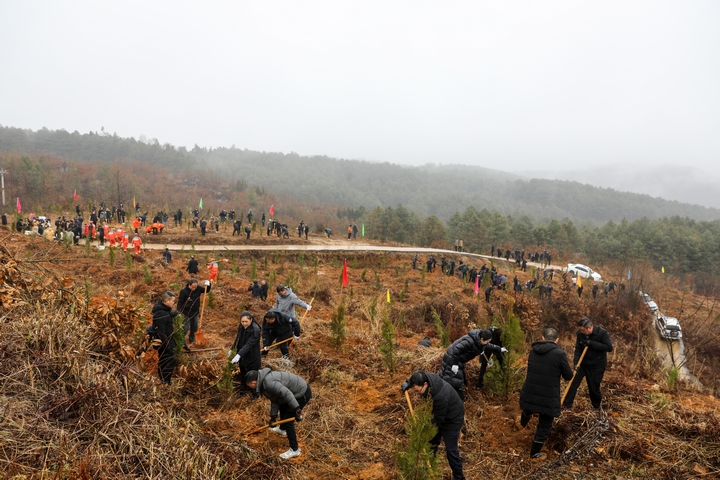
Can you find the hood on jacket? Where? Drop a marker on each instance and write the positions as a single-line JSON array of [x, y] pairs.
[[543, 347]]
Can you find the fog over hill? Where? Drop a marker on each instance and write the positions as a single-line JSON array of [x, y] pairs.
[[671, 182]]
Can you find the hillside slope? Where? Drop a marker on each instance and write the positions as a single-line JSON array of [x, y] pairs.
[[427, 190], [73, 319]]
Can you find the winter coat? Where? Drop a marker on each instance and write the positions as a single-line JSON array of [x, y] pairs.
[[286, 303], [280, 329], [255, 290], [281, 388], [598, 343], [162, 320], [193, 266], [247, 345], [462, 351], [468, 347], [448, 410], [541, 392], [189, 301]]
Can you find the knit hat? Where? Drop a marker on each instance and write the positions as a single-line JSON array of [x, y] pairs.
[[251, 376]]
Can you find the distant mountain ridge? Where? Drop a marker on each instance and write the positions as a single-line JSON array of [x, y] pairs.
[[427, 190]]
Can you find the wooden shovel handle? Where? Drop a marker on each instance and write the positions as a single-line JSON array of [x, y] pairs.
[[260, 429], [567, 389]]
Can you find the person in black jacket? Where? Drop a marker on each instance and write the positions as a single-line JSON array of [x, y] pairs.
[[597, 342], [462, 350], [189, 304], [247, 346], [255, 289], [448, 414], [264, 290], [278, 327], [192, 266], [541, 392], [162, 314]]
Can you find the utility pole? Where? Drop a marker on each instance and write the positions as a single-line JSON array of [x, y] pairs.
[[2, 177]]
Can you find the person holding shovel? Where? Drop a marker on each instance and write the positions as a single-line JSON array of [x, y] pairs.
[[595, 342], [162, 321], [288, 394], [285, 301], [247, 346], [448, 414], [540, 394], [189, 303], [278, 329]]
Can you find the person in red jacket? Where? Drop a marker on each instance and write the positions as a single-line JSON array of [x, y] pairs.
[[137, 243], [136, 224], [111, 237], [125, 240], [213, 267]]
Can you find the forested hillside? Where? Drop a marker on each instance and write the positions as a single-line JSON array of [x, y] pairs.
[[428, 190]]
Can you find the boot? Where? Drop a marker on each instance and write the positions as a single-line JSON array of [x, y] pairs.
[[535, 454]]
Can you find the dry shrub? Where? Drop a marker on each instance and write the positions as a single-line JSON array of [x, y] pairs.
[[454, 312], [112, 322]]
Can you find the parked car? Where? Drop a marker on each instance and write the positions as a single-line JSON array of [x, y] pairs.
[[649, 302], [584, 271], [668, 327]]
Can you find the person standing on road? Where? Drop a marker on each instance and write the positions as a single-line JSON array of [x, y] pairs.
[[189, 303], [448, 415], [288, 394], [540, 394], [246, 346], [285, 301], [597, 341]]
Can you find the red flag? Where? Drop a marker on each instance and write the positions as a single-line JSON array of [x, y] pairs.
[[75, 196], [345, 275], [477, 284], [272, 210], [18, 205]]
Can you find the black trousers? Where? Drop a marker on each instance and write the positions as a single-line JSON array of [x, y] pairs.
[[166, 362], [287, 412], [593, 377], [544, 425], [451, 450]]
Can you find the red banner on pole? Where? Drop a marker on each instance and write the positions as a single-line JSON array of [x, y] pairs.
[[345, 274]]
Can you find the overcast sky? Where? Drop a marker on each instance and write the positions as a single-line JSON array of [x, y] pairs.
[[509, 85]]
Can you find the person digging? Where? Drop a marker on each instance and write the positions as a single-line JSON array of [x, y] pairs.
[[540, 394], [288, 394]]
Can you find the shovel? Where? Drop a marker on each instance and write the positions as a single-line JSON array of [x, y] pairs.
[[276, 344], [567, 389], [199, 337], [260, 429]]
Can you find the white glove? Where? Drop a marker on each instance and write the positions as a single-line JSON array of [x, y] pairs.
[[454, 368], [206, 282], [235, 359], [503, 349], [296, 337], [309, 307]]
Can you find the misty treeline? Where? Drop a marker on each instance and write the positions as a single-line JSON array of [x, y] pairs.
[[678, 244], [427, 190]]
